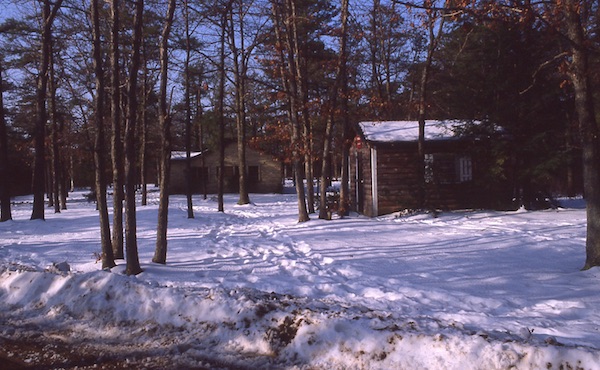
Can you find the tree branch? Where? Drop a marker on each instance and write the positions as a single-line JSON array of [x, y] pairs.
[[539, 69]]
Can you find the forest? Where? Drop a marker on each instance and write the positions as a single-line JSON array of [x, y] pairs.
[[98, 93]]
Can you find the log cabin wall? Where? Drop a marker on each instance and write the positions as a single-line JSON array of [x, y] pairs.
[[396, 177], [264, 173]]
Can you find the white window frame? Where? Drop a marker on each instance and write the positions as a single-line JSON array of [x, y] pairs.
[[465, 169]]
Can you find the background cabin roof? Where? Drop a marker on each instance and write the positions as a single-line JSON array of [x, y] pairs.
[[407, 131], [180, 155]]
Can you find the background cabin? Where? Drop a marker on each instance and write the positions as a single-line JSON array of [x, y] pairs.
[[264, 173], [385, 176]]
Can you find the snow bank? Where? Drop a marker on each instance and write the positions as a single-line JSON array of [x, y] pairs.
[[252, 288]]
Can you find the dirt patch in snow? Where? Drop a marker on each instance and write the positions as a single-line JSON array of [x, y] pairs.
[[30, 350]]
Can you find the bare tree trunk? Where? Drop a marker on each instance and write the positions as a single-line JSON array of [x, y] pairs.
[[99, 146], [144, 132], [61, 171], [387, 66], [302, 96], [339, 81], [221, 109], [326, 162], [5, 210], [584, 106], [241, 149], [288, 76], [198, 118], [39, 136], [308, 159], [55, 166], [240, 77], [188, 115], [64, 187], [374, 48], [344, 206], [164, 120], [116, 139], [48, 186], [422, 105], [133, 263], [62, 168]]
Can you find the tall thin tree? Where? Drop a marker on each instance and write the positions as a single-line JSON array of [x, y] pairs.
[[144, 128], [164, 120], [221, 104], [5, 211], [116, 138], [283, 15], [241, 51], [99, 145], [133, 263], [49, 11], [188, 111], [434, 23], [333, 97], [580, 73], [300, 68], [347, 136], [55, 151]]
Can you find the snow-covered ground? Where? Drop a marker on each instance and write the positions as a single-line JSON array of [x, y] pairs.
[[252, 288]]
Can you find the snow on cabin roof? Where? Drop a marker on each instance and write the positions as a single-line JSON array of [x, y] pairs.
[[179, 155], [395, 131]]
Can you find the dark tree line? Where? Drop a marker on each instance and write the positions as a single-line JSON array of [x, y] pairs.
[[290, 77]]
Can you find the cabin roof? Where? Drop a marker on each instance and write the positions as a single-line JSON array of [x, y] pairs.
[[408, 131], [181, 154]]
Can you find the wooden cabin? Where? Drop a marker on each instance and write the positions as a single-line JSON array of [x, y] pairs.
[[263, 172], [384, 165]]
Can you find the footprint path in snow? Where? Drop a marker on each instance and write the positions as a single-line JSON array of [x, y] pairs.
[[239, 248]]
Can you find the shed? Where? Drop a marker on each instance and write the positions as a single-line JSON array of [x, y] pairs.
[[263, 172], [385, 174]]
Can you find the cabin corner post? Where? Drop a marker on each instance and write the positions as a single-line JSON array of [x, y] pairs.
[[374, 197]]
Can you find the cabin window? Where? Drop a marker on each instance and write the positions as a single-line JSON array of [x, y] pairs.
[[464, 169], [253, 174], [447, 168], [228, 172], [429, 178]]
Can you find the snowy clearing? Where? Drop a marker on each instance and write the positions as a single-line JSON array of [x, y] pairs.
[[252, 288]]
